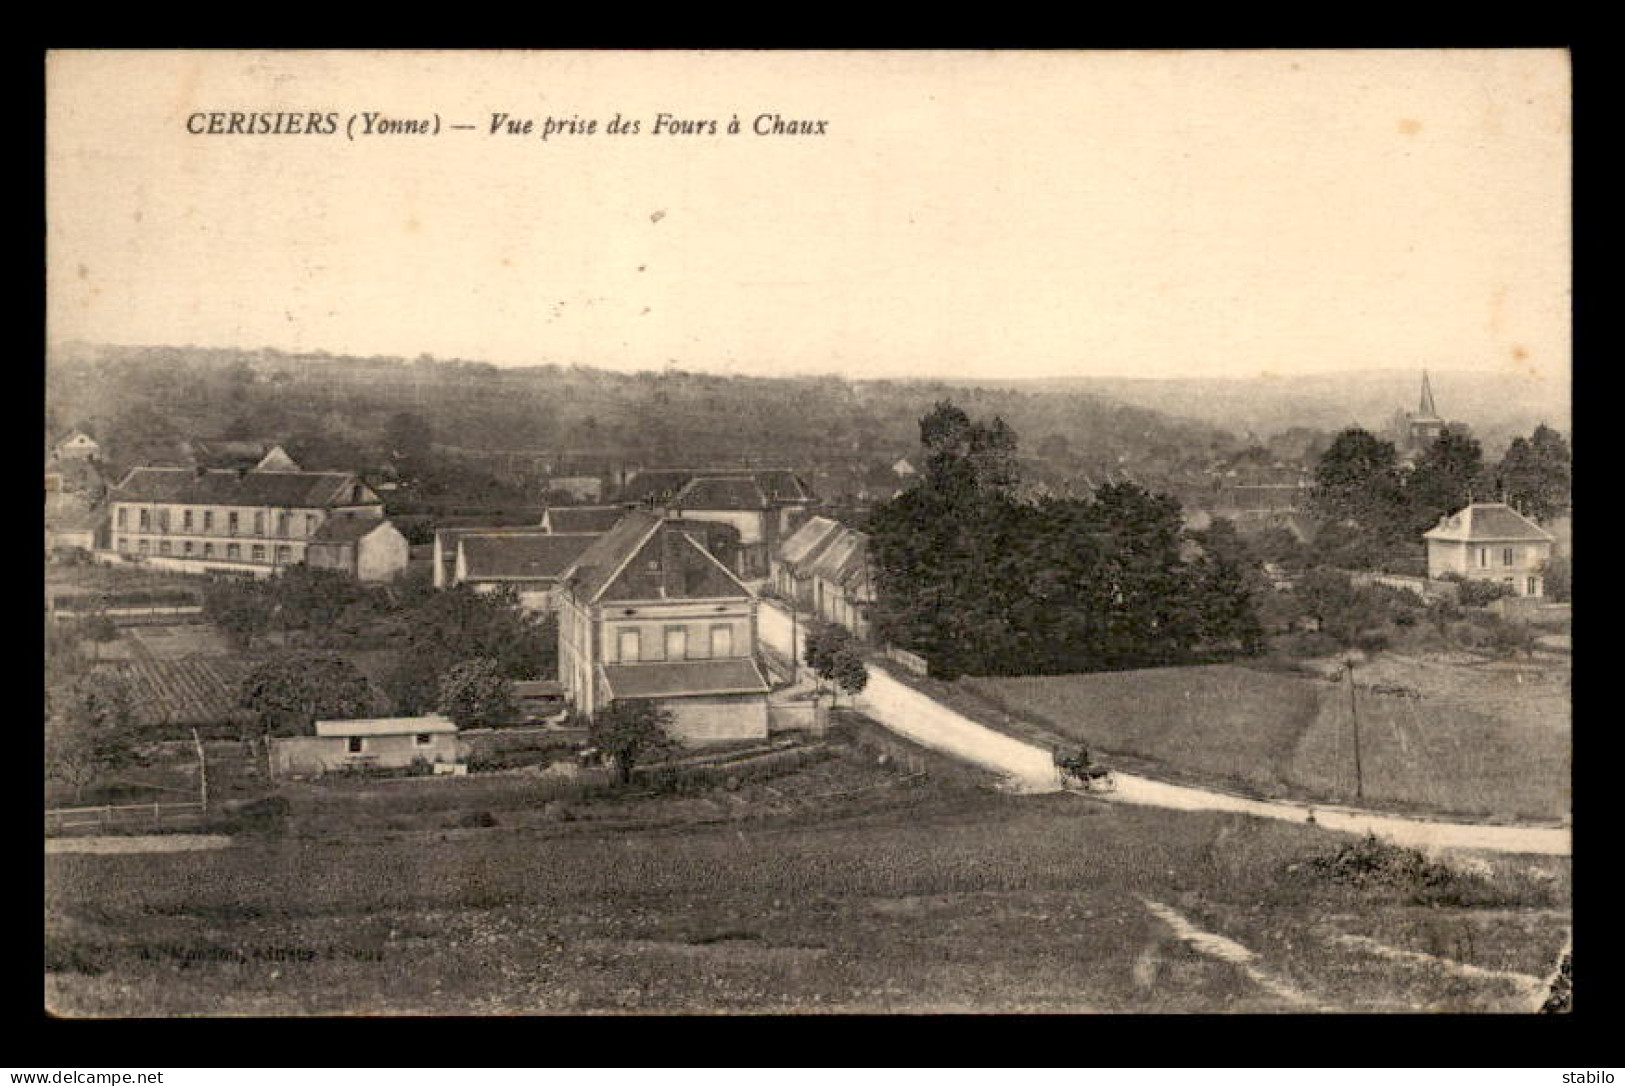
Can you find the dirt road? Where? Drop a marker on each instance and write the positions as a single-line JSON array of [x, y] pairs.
[[165, 842], [1030, 769]]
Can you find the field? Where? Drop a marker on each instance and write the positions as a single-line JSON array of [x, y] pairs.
[[189, 690], [1482, 740], [924, 896]]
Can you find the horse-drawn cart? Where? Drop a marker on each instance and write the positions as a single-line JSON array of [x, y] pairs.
[[1079, 773]]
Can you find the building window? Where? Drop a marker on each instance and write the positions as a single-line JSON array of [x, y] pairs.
[[259, 523], [146, 521], [355, 744], [121, 517], [1483, 557], [144, 546], [1506, 556], [208, 520], [186, 520], [676, 642], [722, 641], [163, 546], [231, 523], [259, 552], [310, 523], [124, 543], [424, 739], [282, 555], [208, 550], [282, 524], [163, 520], [186, 548], [1533, 589], [234, 551], [627, 647]]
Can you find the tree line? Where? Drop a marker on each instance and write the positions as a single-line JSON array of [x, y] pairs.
[[1373, 510], [983, 583]]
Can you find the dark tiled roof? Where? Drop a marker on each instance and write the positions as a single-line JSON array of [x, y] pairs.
[[1489, 522], [533, 556], [279, 489], [230, 453], [685, 678], [346, 529], [609, 552], [664, 484], [707, 492], [584, 518]]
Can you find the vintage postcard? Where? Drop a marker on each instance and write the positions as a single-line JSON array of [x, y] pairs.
[[741, 532]]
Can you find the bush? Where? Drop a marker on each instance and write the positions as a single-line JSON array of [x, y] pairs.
[[1470, 593], [1371, 863]]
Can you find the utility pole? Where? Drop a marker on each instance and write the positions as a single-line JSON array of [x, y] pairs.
[[1359, 775], [202, 773]]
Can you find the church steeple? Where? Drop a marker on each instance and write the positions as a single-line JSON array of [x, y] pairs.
[[1427, 410]]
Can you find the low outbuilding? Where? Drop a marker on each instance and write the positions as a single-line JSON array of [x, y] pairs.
[[380, 743]]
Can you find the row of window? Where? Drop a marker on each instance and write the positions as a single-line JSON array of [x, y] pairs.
[[188, 549], [629, 644], [1508, 555], [148, 518], [358, 743]]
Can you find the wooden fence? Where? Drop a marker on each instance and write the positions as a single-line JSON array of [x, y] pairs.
[[134, 816]]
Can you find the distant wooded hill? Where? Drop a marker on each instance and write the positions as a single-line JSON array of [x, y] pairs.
[[1497, 404], [136, 399]]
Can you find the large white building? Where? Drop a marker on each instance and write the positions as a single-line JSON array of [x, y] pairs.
[[244, 522]]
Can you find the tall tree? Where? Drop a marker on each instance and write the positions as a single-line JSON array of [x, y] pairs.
[[1449, 473], [1357, 479], [89, 730], [1536, 474], [288, 694]]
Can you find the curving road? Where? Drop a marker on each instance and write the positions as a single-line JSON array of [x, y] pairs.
[[1030, 769]]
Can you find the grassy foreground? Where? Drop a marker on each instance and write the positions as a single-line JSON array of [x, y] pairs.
[[936, 898]]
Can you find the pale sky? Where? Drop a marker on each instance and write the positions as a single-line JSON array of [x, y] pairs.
[[966, 214]]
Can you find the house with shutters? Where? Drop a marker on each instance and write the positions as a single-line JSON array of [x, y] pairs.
[[1490, 541], [649, 612], [242, 522]]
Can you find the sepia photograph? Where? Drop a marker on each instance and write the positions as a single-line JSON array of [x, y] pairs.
[[746, 532]]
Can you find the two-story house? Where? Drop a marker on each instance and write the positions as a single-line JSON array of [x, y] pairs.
[[1490, 541], [648, 611], [244, 522]]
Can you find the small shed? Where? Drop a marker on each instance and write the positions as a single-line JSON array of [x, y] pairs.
[[379, 743]]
